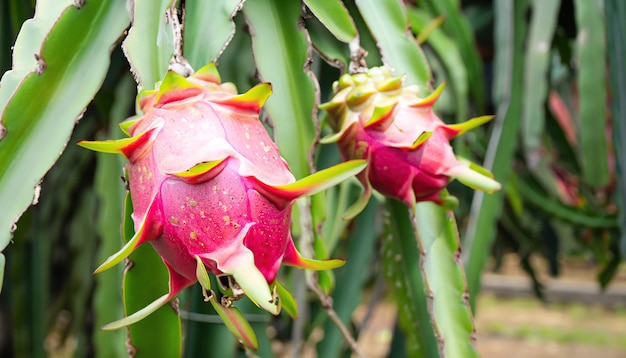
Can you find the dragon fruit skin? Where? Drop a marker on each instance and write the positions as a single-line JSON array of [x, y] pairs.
[[209, 188], [406, 145]]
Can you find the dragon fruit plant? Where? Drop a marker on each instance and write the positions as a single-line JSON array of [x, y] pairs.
[[210, 190], [377, 118], [407, 146]]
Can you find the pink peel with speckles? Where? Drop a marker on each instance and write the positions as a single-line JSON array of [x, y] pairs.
[[209, 188]]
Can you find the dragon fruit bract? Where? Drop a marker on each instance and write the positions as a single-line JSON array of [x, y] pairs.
[[406, 145], [209, 188]]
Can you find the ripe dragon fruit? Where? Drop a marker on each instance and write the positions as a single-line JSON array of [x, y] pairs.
[[406, 145], [210, 190]]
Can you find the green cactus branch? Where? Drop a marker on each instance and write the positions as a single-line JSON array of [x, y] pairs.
[[591, 55], [149, 45], [444, 279], [37, 131], [208, 29], [536, 64], [401, 268], [480, 232], [281, 51], [388, 23]]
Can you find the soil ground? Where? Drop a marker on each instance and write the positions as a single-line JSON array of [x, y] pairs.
[[524, 327], [511, 323]]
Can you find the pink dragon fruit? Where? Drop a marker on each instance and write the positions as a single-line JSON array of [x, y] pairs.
[[210, 191], [406, 145]]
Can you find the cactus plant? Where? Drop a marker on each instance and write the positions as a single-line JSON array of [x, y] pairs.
[[57, 74]]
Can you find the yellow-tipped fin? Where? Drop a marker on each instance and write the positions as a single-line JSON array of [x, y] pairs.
[[344, 81], [281, 195], [324, 179], [139, 315], [252, 100], [474, 179], [236, 323], [460, 128], [130, 148], [293, 258], [208, 73], [176, 284], [332, 138], [150, 229], [142, 98], [108, 146], [391, 84], [174, 88], [420, 140], [202, 172], [125, 126], [331, 106], [202, 275], [381, 118], [359, 95], [287, 302], [431, 99]]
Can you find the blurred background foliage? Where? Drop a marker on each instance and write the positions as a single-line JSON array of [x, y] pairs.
[[552, 72]]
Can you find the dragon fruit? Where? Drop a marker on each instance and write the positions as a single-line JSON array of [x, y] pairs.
[[406, 145], [210, 190]]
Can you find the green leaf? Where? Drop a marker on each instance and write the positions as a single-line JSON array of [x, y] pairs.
[[109, 189], [438, 239], [401, 268], [348, 295], [149, 45], [448, 52], [457, 25], [537, 60], [555, 208], [209, 27], [591, 58], [332, 51], [486, 208], [281, 51], [145, 279], [334, 15], [388, 23], [37, 131], [615, 11]]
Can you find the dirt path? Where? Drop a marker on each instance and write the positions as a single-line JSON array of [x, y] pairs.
[[525, 327]]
